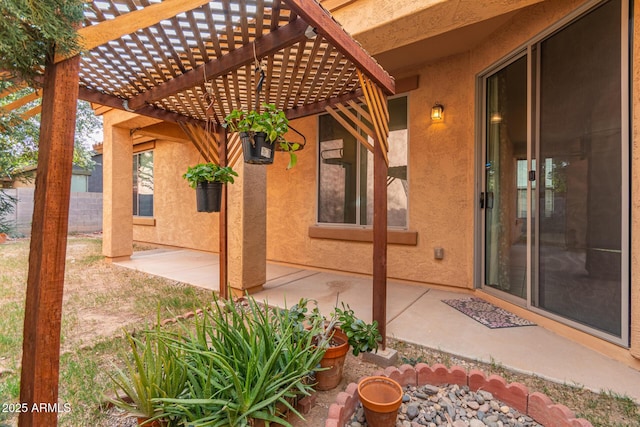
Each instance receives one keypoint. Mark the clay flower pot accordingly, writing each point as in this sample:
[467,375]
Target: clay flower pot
[380,397]
[154,423]
[334,360]
[3,238]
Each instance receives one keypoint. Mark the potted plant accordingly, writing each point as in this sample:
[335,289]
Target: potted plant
[261,133]
[380,397]
[154,371]
[338,333]
[207,179]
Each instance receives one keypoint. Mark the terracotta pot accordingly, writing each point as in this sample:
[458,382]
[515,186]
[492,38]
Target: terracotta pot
[155,423]
[334,360]
[3,238]
[380,397]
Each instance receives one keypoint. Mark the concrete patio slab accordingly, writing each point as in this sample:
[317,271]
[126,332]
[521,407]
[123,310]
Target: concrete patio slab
[527,349]
[415,314]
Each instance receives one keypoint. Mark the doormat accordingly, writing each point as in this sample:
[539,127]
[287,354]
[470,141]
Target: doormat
[486,313]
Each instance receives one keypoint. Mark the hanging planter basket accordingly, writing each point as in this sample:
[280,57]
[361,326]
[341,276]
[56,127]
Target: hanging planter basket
[208,196]
[256,148]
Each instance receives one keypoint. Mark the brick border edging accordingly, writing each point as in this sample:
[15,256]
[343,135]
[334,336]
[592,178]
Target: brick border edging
[535,405]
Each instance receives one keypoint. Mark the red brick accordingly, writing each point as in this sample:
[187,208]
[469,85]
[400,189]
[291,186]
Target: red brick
[332,423]
[335,411]
[477,380]
[458,375]
[306,403]
[538,408]
[580,422]
[512,394]
[352,389]
[405,375]
[167,321]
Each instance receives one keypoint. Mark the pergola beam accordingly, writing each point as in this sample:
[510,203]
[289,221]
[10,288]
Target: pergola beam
[149,110]
[325,25]
[320,106]
[245,55]
[21,101]
[104,32]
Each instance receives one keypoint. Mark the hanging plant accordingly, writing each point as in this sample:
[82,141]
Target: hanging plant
[261,131]
[207,179]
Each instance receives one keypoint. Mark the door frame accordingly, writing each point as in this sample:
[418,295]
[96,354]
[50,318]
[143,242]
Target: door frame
[527,49]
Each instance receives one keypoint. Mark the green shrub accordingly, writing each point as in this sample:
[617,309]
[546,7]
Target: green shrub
[243,363]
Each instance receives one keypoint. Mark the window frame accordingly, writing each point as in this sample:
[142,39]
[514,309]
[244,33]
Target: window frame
[359,205]
[136,214]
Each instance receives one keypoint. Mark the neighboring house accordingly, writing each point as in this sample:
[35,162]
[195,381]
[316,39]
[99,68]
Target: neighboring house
[525,191]
[94,180]
[82,180]
[85,208]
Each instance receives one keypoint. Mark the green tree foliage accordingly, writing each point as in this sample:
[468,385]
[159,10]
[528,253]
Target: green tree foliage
[19,138]
[29,31]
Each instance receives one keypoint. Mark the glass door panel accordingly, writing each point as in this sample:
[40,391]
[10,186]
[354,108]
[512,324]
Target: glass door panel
[506,175]
[580,161]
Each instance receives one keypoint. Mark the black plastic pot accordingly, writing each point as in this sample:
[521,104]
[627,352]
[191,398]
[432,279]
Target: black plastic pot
[208,196]
[256,149]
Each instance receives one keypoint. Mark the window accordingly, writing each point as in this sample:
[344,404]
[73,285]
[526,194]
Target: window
[143,184]
[345,193]
[79,183]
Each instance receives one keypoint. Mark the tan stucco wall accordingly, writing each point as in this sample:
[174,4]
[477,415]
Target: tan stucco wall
[441,174]
[441,171]
[176,221]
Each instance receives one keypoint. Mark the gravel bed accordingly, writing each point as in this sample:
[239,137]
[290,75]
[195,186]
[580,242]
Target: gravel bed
[452,406]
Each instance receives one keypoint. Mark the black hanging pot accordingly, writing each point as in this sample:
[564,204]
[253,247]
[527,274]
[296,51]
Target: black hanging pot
[256,148]
[208,196]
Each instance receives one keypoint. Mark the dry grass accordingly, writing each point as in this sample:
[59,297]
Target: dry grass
[101,299]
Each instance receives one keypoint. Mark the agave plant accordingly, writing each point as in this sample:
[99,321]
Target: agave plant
[152,371]
[243,364]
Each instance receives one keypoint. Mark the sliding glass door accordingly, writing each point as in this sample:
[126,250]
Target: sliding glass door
[555,235]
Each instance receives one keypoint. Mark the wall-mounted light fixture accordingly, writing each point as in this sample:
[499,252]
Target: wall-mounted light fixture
[437,112]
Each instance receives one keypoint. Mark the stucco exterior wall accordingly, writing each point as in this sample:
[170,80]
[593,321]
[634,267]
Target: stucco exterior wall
[440,191]
[441,171]
[176,221]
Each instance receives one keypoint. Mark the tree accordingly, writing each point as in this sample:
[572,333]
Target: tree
[30,32]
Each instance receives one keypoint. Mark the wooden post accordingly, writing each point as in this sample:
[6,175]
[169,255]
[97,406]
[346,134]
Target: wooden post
[380,170]
[45,282]
[222,228]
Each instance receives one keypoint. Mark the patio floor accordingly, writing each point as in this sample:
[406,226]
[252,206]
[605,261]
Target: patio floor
[414,314]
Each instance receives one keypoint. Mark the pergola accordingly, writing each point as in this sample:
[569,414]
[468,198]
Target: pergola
[191,62]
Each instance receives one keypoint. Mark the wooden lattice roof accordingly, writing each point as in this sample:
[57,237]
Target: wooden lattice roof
[201,62]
